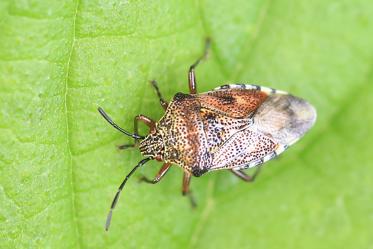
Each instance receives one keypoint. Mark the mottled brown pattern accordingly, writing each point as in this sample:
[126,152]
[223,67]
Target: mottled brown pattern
[236,103]
[195,127]
[184,142]
[227,128]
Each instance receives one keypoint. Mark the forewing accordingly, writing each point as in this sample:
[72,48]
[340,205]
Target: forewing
[278,121]
[218,128]
[246,148]
[233,102]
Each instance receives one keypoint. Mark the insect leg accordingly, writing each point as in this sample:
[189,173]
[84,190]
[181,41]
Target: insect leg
[191,74]
[164,103]
[186,191]
[148,121]
[159,176]
[241,174]
[125,146]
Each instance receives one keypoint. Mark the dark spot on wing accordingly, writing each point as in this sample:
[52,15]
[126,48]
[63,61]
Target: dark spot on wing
[181,96]
[227,99]
[210,116]
[196,171]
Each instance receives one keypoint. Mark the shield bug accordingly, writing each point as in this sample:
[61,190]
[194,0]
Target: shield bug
[233,127]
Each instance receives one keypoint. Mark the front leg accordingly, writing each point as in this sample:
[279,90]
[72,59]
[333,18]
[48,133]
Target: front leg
[159,176]
[147,121]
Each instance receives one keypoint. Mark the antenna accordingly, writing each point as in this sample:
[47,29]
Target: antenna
[110,121]
[116,197]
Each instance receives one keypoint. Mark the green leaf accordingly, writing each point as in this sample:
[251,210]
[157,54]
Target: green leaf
[59,168]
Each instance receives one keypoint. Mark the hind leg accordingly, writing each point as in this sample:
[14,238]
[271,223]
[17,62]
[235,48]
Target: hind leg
[242,175]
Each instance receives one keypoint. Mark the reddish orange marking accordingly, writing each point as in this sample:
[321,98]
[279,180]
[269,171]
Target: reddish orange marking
[237,103]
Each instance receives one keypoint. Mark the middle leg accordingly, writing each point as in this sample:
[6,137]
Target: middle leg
[186,191]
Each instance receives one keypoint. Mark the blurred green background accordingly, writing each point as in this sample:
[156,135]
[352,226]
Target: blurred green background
[59,168]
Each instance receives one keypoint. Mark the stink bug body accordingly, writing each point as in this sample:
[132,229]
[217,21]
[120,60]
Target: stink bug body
[232,127]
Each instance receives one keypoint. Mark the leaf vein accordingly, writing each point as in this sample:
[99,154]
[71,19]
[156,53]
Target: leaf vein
[68,142]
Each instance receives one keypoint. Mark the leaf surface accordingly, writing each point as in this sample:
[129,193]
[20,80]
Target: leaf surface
[59,168]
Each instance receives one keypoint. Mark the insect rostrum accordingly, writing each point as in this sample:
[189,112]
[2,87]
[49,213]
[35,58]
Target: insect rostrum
[233,127]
